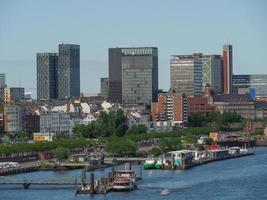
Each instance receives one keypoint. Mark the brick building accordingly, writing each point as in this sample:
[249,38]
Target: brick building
[200,105]
[170,107]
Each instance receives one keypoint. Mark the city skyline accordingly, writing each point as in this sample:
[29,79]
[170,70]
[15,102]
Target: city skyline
[164,28]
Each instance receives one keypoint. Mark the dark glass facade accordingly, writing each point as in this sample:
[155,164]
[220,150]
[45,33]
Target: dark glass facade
[68,71]
[47,75]
[133,75]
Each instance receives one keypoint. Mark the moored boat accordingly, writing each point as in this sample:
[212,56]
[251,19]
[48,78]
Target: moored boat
[159,163]
[150,164]
[124,180]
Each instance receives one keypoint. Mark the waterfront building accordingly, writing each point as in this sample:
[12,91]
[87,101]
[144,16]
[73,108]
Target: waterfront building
[13,118]
[133,75]
[186,75]
[104,84]
[227,68]
[239,103]
[255,85]
[2,79]
[68,71]
[47,64]
[55,122]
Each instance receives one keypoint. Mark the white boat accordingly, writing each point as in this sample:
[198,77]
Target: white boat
[124,180]
[165,192]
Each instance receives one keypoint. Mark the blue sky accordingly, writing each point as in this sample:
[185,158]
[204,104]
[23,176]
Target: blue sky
[174,26]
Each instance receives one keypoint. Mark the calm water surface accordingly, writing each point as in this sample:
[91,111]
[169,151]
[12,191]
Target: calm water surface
[242,178]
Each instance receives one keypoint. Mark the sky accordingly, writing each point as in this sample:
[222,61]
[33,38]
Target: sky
[174,26]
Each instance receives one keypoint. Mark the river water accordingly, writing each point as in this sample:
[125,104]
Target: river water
[241,178]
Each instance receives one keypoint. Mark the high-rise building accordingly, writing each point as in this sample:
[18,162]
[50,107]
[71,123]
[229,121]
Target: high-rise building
[186,75]
[257,82]
[69,71]
[227,68]
[17,94]
[104,82]
[133,75]
[115,74]
[2,79]
[47,64]
[212,72]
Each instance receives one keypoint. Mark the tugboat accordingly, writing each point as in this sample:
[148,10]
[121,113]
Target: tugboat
[150,163]
[124,180]
[160,163]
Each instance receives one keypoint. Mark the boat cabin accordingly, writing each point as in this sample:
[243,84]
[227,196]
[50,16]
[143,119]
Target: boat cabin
[218,153]
[234,150]
[181,158]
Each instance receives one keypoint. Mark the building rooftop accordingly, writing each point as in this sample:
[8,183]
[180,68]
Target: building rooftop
[261,105]
[232,98]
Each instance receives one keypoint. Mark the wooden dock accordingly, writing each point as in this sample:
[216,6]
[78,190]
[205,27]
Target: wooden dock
[22,169]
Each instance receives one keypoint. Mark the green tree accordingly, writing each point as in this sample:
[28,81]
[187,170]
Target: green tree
[170,144]
[196,120]
[120,146]
[132,130]
[141,128]
[208,141]
[121,130]
[61,153]
[155,151]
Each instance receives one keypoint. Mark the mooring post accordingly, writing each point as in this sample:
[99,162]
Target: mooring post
[113,173]
[75,182]
[25,184]
[92,183]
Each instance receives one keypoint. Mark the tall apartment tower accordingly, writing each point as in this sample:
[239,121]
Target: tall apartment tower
[68,71]
[133,75]
[227,70]
[186,75]
[47,64]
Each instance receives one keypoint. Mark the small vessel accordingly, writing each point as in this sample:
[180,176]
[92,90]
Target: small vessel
[124,180]
[159,163]
[85,189]
[150,163]
[165,192]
